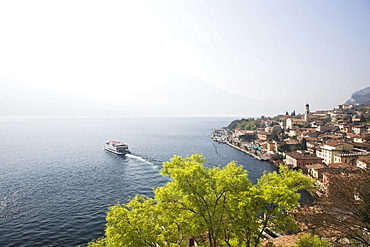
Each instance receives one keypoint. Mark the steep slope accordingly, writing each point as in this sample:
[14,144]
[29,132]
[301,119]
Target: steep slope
[361,97]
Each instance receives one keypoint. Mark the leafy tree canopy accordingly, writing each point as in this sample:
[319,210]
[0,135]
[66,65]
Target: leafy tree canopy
[212,206]
[309,240]
[363,119]
[245,124]
[247,137]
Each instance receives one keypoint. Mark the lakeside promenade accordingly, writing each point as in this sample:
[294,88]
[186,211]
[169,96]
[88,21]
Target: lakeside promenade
[256,156]
[221,136]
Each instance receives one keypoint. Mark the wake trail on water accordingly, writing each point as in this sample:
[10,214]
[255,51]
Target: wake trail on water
[216,149]
[145,161]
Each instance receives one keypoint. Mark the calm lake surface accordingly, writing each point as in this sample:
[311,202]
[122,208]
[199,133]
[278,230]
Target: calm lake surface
[56,182]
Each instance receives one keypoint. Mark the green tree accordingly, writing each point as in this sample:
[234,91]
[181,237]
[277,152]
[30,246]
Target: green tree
[214,206]
[285,148]
[304,144]
[363,119]
[276,134]
[248,124]
[247,137]
[308,240]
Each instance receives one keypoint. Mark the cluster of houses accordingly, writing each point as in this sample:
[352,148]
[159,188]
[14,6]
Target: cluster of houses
[331,142]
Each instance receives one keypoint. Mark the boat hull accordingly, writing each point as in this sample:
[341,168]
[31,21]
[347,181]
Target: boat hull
[115,152]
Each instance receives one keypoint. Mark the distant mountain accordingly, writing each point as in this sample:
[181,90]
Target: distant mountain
[19,99]
[361,97]
[176,96]
[192,96]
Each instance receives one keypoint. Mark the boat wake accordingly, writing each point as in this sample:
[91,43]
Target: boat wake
[145,161]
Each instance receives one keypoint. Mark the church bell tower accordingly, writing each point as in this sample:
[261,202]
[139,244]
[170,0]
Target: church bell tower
[306,114]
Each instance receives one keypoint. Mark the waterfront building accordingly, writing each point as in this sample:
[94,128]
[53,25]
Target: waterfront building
[240,132]
[272,146]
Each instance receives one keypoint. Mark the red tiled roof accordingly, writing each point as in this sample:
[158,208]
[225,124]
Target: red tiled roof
[339,165]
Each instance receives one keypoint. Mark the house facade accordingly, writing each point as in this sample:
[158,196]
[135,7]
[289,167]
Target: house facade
[329,150]
[301,160]
[315,170]
[345,106]
[290,122]
[363,162]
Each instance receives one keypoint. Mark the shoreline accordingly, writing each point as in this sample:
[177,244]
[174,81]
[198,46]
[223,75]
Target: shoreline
[220,136]
[245,151]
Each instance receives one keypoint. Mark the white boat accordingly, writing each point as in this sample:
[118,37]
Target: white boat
[116,147]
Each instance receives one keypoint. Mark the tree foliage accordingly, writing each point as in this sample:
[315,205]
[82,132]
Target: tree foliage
[247,137]
[212,206]
[308,240]
[287,148]
[245,124]
[362,118]
[304,144]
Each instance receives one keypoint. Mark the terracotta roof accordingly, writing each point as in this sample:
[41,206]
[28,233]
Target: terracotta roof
[316,166]
[333,143]
[365,159]
[291,141]
[297,120]
[339,165]
[311,139]
[301,156]
[352,135]
[285,240]
[361,145]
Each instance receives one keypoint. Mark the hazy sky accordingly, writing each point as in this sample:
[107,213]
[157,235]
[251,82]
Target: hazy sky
[291,52]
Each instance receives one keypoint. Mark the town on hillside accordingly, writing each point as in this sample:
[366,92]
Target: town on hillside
[322,144]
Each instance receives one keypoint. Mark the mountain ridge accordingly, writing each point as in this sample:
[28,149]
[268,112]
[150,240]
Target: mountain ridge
[188,96]
[360,97]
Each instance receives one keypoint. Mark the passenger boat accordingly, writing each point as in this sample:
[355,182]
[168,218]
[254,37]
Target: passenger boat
[116,147]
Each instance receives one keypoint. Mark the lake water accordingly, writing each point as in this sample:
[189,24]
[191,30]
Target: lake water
[56,182]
